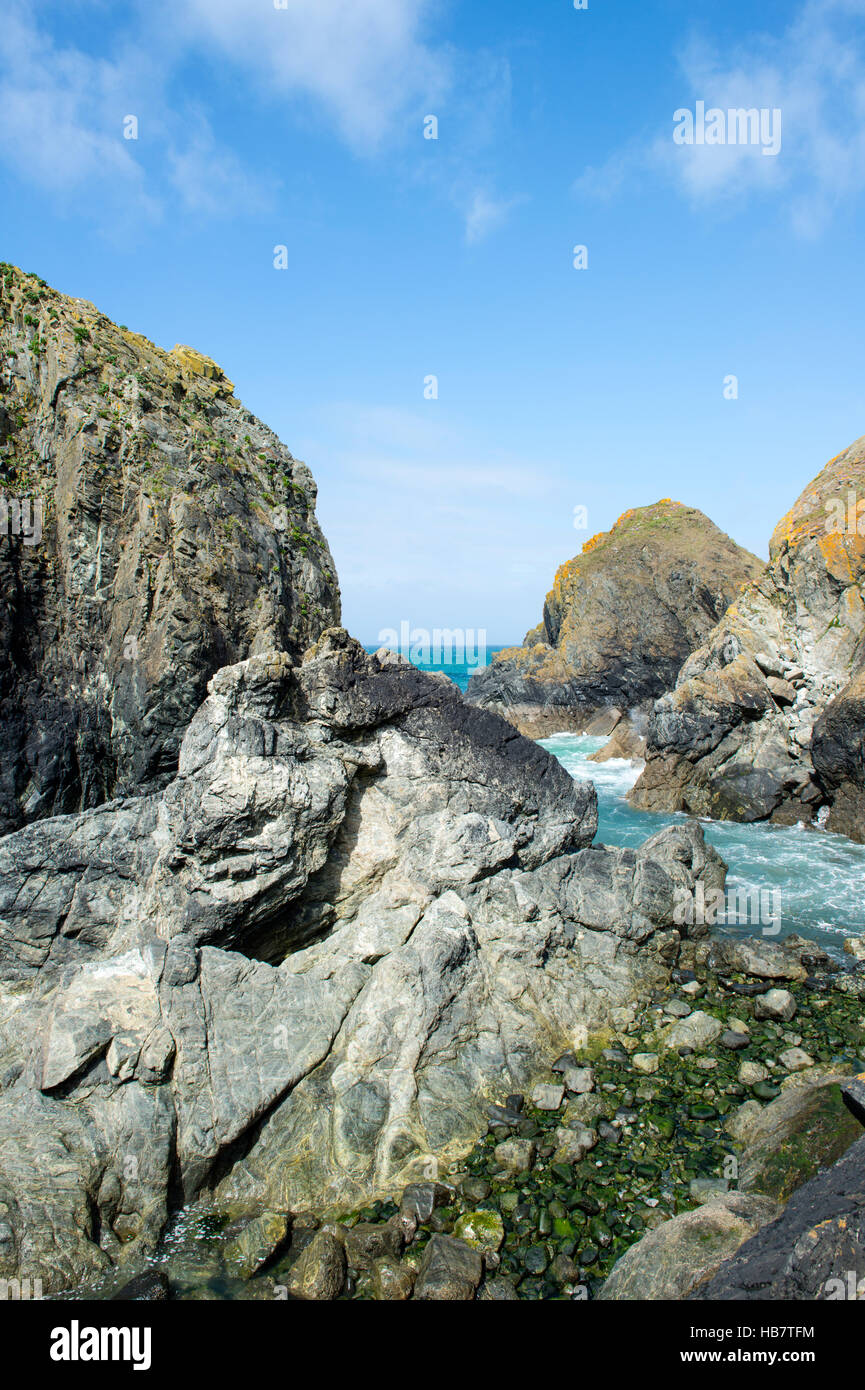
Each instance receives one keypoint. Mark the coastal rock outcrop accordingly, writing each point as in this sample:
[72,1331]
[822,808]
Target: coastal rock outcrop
[618,623]
[152,531]
[765,721]
[812,1251]
[672,1261]
[298,973]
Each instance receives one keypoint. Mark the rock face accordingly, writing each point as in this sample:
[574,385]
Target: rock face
[672,1261]
[805,1129]
[619,621]
[152,531]
[812,1251]
[290,976]
[765,721]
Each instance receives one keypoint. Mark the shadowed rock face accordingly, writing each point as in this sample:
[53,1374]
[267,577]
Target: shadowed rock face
[178,535]
[765,720]
[296,974]
[808,1251]
[619,621]
[672,1261]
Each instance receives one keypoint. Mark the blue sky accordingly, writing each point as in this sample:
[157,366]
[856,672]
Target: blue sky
[407,257]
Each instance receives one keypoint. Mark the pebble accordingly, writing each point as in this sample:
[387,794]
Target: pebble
[580,1081]
[752,1072]
[794,1059]
[775,1004]
[548,1096]
[677,1008]
[647,1062]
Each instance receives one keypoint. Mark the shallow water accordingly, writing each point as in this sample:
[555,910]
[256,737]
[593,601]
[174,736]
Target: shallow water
[817,880]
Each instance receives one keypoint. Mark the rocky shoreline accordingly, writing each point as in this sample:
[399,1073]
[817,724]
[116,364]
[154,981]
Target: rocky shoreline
[637,1169]
[315,981]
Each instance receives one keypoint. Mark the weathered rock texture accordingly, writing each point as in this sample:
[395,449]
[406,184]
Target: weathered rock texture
[619,621]
[297,974]
[177,536]
[672,1261]
[813,1250]
[765,720]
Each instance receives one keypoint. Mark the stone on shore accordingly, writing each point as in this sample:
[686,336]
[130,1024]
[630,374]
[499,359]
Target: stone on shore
[672,1261]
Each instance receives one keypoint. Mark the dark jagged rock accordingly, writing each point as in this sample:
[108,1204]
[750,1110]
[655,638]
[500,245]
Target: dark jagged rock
[853,1093]
[766,719]
[150,1287]
[618,623]
[450,1270]
[176,535]
[838,754]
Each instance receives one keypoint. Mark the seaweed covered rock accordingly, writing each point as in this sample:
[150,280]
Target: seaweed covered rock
[814,1248]
[672,1261]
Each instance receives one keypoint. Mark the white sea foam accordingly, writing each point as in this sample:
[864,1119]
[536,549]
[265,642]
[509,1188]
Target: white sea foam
[819,878]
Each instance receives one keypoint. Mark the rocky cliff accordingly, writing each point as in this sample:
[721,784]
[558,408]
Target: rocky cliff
[152,531]
[619,621]
[765,720]
[297,974]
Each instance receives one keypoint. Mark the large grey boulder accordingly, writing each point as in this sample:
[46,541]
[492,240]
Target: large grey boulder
[673,1260]
[299,974]
[812,1251]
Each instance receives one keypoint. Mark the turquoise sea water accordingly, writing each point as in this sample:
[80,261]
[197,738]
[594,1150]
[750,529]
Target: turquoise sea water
[816,880]
[795,878]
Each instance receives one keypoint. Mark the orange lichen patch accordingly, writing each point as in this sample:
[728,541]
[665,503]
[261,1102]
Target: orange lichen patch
[596,540]
[564,574]
[829,504]
[844,555]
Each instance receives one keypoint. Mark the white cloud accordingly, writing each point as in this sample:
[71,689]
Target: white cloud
[56,109]
[210,179]
[486,212]
[366,67]
[364,60]
[814,73]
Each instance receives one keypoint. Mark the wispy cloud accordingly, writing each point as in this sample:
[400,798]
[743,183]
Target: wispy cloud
[366,69]
[443,496]
[365,61]
[54,105]
[486,212]
[814,74]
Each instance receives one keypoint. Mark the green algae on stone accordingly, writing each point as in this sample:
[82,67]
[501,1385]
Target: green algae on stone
[484,1230]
